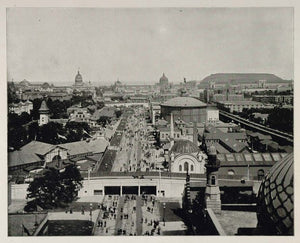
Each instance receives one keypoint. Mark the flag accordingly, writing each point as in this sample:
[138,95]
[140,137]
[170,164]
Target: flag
[25,230]
[61,136]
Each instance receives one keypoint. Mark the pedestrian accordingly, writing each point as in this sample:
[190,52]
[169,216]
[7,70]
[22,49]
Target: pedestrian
[104,224]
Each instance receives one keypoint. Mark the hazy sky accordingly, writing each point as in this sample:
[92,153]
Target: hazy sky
[138,45]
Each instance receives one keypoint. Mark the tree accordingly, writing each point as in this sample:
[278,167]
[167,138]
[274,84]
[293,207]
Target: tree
[55,189]
[118,113]
[104,120]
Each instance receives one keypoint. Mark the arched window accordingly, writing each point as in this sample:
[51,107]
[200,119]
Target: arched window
[260,174]
[231,172]
[180,167]
[186,166]
[213,180]
[192,167]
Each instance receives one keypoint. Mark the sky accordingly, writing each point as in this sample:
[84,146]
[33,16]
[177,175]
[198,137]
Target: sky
[137,45]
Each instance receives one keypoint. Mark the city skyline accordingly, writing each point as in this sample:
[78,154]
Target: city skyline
[138,45]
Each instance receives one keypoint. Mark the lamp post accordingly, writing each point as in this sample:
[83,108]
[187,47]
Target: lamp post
[164,209]
[91,211]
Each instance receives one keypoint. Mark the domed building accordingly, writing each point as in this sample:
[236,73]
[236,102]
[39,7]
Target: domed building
[163,83]
[186,156]
[163,80]
[276,199]
[187,109]
[78,80]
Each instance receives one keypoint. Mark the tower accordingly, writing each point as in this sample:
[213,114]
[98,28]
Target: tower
[44,114]
[212,190]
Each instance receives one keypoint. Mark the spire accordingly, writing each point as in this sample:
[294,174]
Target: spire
[172,127]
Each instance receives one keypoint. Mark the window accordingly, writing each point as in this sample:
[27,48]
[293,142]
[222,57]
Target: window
[192,167]
[231,172]
[180,167]
[213,180]
[186,166]
[98,192]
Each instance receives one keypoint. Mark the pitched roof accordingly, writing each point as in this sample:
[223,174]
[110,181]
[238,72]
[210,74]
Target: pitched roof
[37,147]
[251,159]
[89,146]
[20,157]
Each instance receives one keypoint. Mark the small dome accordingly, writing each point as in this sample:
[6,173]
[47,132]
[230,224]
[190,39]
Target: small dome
[184,102]
[24,82]
[78,78]
[184,146]
[276,199]
[163,79]
[45,85]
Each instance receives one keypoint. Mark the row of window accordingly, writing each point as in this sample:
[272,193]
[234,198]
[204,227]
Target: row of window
[260,173]
[186,166]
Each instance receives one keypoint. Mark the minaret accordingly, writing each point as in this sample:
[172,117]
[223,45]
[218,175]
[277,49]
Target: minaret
[44,114]
[212,191]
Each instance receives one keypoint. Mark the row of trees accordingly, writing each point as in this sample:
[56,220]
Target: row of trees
[53,133]
[279,118]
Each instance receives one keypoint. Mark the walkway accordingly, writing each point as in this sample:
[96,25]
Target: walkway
[139,216]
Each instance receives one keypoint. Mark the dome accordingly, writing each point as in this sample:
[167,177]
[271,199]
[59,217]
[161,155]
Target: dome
[184,102]
[163,79]
[78,79]
[45,85]
[25,83]
[276,199]
[184,146]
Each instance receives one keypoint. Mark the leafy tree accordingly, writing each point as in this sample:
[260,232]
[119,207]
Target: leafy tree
[104,120]
[17,137]
[54,188]
[281,119]
[118,113]
[48,133]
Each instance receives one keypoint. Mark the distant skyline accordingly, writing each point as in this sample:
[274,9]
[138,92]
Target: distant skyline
[138,45]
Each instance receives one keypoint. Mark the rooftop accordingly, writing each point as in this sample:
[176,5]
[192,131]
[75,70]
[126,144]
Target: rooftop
[184,102]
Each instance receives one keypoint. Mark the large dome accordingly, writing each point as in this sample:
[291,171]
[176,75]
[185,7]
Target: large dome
[184,146]
[184,102]
[78,79]
[163,79]
[276,199]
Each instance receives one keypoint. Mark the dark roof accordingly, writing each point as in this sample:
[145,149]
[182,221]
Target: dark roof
[184,146]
